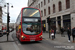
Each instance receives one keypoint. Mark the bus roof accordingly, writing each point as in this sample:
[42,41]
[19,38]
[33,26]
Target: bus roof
[30,7]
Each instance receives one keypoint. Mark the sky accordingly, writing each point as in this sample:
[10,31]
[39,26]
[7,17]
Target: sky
[14,12]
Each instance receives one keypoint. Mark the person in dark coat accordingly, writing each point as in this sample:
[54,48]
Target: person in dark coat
[62,31]
[68,33]
[54,33]
[73,34]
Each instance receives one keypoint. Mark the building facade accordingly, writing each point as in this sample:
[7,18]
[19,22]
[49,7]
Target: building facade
[0,15]
[2,2]
[61,13]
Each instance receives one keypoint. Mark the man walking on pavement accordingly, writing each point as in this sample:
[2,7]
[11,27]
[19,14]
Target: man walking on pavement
[73,34]
[62,32]
[68,33]
[54,33]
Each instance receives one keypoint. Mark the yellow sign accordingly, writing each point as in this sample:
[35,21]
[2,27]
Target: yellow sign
[50,30]
[44,25]
[19,27]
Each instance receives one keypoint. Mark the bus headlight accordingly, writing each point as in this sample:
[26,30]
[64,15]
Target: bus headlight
[40,36]
[23,37]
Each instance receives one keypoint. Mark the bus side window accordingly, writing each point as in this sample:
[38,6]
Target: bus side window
[20,30]
[20,27]
[16,28]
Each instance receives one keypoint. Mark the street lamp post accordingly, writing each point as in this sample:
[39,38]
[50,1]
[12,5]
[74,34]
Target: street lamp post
[8,19]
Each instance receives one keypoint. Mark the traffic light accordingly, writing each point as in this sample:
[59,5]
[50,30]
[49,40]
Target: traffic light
[48,20]
[8,18]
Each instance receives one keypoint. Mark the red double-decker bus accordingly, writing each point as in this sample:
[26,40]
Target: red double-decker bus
[29,25]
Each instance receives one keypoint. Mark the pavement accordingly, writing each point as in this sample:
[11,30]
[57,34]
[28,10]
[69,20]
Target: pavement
[11,45]
[59,39]
[8,45]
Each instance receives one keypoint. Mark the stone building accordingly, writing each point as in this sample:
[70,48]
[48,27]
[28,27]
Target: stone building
[2,2]
[0,15]
[61,12]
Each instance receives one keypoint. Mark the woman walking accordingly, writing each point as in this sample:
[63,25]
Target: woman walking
[52,34]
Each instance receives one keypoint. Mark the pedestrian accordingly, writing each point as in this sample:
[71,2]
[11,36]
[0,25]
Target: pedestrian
[1,34]
[62,31]
[52,34]
[73,34]
[69,34]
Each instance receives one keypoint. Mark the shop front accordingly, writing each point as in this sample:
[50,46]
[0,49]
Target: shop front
[53,23]
[66,21]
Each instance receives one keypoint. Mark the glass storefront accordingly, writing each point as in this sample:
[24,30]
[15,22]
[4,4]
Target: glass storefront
[66,21]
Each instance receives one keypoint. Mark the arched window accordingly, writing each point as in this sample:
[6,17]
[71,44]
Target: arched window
[48,1]
[67,4]
[60,6]
[41,13]
[41,4]
[48,10]
[44,2]
[53,8]
[44,12]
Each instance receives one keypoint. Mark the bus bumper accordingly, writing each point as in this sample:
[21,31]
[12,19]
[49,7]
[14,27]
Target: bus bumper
[29,39]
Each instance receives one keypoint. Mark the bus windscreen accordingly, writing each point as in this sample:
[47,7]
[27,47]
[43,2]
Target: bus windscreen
[31,28]
[30,12]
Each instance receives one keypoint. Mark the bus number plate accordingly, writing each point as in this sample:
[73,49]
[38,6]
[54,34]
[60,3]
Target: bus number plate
[32,40]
